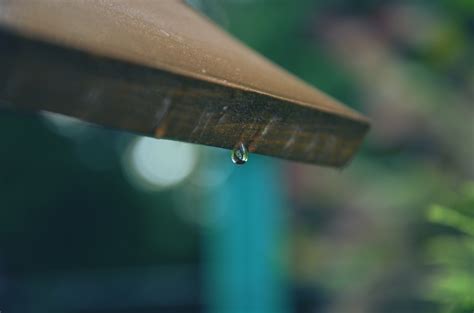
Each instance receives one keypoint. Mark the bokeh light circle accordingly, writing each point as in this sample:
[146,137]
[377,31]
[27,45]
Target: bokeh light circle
[157,164]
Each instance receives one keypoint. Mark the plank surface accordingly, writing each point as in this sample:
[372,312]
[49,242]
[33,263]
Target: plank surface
[161,69]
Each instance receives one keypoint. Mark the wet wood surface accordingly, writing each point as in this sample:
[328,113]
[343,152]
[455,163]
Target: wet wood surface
[160,69]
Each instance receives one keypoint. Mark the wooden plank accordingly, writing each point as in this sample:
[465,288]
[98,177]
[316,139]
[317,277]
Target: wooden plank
[160,69]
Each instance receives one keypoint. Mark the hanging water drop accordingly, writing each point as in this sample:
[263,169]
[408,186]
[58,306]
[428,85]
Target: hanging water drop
[240,154]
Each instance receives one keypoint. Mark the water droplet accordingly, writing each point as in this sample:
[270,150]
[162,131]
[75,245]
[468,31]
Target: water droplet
[240,154]
[164,32]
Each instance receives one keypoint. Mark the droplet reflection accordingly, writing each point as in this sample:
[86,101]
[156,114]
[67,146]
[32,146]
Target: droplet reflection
[240,154]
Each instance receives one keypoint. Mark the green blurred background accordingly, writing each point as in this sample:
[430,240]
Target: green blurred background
[95,220]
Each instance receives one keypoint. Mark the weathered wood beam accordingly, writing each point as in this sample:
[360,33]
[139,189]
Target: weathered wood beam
[160,69]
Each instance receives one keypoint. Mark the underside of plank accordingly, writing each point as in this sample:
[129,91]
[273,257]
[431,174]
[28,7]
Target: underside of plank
[160,69]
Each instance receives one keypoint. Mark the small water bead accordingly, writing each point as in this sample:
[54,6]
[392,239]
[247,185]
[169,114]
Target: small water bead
[164,32]
[240,154]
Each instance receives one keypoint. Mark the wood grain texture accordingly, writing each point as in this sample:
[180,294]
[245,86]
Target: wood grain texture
[160,69]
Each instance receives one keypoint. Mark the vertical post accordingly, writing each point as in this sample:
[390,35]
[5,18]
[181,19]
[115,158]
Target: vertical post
[244,268]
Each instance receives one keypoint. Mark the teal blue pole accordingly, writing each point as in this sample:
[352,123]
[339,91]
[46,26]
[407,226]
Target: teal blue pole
[244,268]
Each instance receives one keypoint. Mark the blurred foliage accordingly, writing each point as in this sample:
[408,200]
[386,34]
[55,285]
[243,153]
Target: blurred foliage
[452,253]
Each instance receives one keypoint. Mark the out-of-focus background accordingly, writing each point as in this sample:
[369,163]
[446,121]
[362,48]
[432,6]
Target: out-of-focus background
[96,220]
